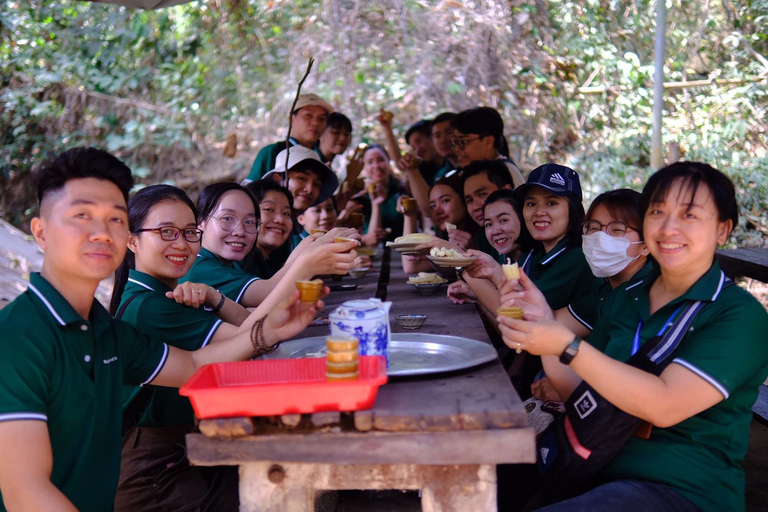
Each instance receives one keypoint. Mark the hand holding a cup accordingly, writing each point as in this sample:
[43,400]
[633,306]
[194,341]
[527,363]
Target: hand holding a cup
[407,206]
[291,316]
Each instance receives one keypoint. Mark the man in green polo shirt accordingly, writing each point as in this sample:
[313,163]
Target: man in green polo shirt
[308,124]
[64,360]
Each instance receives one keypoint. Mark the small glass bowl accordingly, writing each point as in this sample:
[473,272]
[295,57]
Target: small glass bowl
[427,288]
[411,321]
[358,272]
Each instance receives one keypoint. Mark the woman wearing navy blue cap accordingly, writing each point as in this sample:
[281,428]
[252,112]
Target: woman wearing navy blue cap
[553,215]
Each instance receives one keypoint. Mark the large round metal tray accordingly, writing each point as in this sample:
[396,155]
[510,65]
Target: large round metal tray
[409,353]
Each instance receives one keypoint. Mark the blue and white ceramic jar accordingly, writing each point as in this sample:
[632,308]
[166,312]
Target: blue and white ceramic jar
[368,320]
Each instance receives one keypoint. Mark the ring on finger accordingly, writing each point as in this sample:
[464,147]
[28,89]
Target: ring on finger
[196,291]
[519,348]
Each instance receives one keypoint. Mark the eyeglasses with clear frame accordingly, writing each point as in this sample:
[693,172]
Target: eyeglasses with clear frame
[171,233]
[615,228]
[229,223]
[460,144]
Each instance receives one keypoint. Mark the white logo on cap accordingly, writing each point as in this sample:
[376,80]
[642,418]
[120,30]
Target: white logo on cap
[556,178]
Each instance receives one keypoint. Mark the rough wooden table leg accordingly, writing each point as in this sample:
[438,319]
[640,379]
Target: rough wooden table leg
[298,487]
[269,487]
[460,488]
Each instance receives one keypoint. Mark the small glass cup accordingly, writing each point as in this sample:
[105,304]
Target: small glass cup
[309,291]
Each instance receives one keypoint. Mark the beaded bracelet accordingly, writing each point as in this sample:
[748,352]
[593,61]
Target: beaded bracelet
[260,339]
[254,337]
[219,305]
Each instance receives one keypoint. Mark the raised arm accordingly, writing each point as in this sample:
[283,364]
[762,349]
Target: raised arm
[25,468]
[288,318]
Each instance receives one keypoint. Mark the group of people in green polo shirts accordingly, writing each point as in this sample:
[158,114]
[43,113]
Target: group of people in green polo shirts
[89,415]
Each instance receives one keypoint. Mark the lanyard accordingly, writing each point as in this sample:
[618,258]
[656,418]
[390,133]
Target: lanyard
[636,339]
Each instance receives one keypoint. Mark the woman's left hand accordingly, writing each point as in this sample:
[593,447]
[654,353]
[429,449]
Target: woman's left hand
[290,317]
[194,294]
[538,336]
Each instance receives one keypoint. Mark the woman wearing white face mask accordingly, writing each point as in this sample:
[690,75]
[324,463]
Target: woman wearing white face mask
[614,249]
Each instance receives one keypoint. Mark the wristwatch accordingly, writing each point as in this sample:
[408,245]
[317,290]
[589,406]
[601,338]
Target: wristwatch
[570,351]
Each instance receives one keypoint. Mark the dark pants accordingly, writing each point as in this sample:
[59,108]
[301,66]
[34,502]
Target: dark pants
[626,496]
[155,476]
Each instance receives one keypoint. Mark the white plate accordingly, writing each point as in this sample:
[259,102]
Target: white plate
[409,353]
[451,262]
[407,249]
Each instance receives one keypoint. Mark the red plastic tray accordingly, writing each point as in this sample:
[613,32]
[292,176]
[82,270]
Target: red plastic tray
[280,386]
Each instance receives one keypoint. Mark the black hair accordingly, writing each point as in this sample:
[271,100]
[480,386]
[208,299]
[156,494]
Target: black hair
[496,170]
[376,146]
[623,204]
[260,188]
[483,121]
[81,162]
[445,116]
[338,121]
[692,175]
[454,181]
[575,222]
[211,195]
[364,201]
[505,195]
[423,126]
[139,207]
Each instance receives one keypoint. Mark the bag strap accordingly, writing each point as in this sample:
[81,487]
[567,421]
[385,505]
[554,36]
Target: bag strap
[138,405]
[124,306]
[674,335]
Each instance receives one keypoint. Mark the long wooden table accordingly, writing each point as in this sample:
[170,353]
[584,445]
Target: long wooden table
[443,434]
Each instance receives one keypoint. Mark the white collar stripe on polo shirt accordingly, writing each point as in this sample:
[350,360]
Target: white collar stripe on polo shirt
[554,256]
[719,286]
[15,416]
[134,281]
[636,284]
[47,304]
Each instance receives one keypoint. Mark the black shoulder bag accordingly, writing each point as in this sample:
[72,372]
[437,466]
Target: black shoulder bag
[593,431]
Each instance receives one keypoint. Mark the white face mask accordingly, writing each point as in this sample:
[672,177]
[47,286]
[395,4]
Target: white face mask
[606,254]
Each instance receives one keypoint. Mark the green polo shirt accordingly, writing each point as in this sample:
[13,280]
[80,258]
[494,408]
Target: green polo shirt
[178,325]
[700,457]
[265,160]
[562,274]
[223,275]
[585,308]
[390,217]
[69,372]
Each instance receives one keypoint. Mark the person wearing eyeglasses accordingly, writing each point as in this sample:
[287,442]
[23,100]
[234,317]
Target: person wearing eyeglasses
[164,240]
[230,221]
[479,135]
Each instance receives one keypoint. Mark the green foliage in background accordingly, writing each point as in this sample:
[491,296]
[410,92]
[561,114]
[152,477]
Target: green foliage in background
[163,89]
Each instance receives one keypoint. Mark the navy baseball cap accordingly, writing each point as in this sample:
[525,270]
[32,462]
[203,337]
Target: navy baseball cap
[558,179]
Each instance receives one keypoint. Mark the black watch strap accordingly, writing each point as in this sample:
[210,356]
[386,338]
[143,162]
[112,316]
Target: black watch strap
[570,351]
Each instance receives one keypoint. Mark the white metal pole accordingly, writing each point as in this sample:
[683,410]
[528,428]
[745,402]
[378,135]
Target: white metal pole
[657,158]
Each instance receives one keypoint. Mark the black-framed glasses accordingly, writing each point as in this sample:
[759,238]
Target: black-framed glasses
[460,144]
[615,228]
[171,233]
[230,222]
